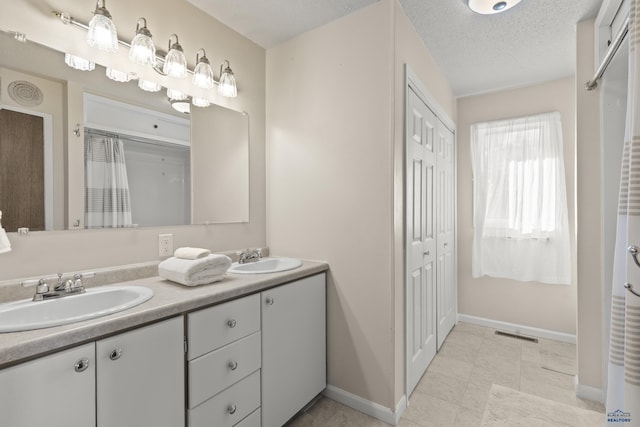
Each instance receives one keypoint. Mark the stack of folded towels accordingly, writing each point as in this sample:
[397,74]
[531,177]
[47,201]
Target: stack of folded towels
[194,266]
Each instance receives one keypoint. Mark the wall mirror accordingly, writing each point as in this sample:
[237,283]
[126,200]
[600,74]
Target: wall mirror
[196,173]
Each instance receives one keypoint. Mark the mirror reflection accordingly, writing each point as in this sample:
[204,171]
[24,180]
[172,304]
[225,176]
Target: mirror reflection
[56,124]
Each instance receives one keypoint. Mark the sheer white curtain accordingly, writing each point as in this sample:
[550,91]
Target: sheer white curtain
[623,388]
[521,229]
[107,202]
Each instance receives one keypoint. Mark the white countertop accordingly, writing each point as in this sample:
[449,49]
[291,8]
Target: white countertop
[169,299]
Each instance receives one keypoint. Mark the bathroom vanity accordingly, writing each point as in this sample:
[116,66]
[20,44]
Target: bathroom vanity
[247,351]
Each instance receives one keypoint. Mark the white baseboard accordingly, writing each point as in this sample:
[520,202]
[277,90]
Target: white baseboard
[588,392]
[518,329]
[365,406]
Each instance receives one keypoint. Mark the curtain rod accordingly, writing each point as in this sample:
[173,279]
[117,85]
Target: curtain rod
[131,138]
[593,83]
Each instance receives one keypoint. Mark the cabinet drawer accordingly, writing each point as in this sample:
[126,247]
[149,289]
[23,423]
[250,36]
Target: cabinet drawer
[215,371]
[229,407]
[252,420]
[217,326]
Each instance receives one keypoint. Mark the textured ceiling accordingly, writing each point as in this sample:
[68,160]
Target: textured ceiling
[532,42]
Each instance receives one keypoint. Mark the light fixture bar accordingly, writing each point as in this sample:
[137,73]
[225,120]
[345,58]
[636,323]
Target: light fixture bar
[66,19]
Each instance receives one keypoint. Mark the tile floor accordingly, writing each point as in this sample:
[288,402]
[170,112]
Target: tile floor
[455,389]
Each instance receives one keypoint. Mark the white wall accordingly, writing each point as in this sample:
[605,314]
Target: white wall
[335,114]
[68,251]
[589,219]
[538,305]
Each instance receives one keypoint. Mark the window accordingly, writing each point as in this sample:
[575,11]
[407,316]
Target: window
[520,209]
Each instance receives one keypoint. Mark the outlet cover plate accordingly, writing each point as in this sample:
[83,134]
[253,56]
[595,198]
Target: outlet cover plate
[165,245]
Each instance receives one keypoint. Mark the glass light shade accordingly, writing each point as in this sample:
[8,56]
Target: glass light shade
[176,95]
[175,64]
[489,7]
[78,63]
[203,75]
[227,86]
[200,102]
[102,31]
[142,50]
[149,86]
[118,76]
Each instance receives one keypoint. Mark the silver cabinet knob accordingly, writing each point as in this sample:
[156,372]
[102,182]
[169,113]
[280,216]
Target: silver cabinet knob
[269,301]
[81,365]
[115,354]
[427,253]
[233,365]
[231,409]
[231,323]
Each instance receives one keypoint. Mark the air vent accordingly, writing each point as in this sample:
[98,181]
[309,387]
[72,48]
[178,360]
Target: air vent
[517,336]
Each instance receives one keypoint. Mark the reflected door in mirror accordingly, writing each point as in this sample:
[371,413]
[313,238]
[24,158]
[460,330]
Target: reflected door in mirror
[21,171]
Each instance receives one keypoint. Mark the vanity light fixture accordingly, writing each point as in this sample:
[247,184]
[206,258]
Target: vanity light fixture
[200,102]
[202,74]
[119,76]
[176,95]
[78,62]
[102,31]
[227,86]
[149,86]
[142,50]
[175,63]
[489,7]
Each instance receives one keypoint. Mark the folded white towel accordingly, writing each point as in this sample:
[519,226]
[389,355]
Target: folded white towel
[195,272]
[5,244]
[191,253]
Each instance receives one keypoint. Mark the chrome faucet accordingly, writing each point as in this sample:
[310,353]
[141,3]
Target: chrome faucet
[63,288]
[249,255]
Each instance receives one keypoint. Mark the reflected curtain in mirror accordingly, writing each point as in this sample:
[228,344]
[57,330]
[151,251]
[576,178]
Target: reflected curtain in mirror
[107,202]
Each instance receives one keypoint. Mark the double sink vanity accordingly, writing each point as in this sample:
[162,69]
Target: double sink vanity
[247,351]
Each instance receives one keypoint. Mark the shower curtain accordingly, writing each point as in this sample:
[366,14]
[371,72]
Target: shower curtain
[107,202]
[623,391]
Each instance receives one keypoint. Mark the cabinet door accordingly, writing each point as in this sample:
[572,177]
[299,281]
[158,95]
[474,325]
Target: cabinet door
[140,377]
[293,348]
[53,391]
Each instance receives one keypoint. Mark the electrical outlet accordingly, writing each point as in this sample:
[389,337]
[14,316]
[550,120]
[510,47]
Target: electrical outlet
[165,245]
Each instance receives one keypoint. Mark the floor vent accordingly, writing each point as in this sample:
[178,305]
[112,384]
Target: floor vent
[516,336]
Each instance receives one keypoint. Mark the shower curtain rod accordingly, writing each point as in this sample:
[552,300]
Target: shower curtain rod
[613,48]
[140,139]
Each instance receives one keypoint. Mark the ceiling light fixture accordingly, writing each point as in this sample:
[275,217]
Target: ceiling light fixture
[175,64]
[489,7]
[142,50]
[176,95]
[149,86]
[202,74]
[200,102]
[119,76]
[102,31]
[227,86]
[182,106]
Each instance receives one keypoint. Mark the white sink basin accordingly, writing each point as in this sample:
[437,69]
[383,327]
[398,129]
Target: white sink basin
[25,315]
[265,265]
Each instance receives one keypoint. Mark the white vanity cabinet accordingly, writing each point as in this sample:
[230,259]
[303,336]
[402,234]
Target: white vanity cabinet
[140,377]
[134,378]
[224,360]
[53,391]
[293,347]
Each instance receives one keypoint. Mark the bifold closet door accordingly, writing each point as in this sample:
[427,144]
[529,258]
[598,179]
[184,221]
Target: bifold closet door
[420,238]
[445,224]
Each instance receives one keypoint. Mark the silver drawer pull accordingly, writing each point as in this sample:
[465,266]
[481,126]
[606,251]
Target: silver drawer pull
[233,365]
[269,301]
[231,409]
[81,365]
[231,323]
[115,354]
